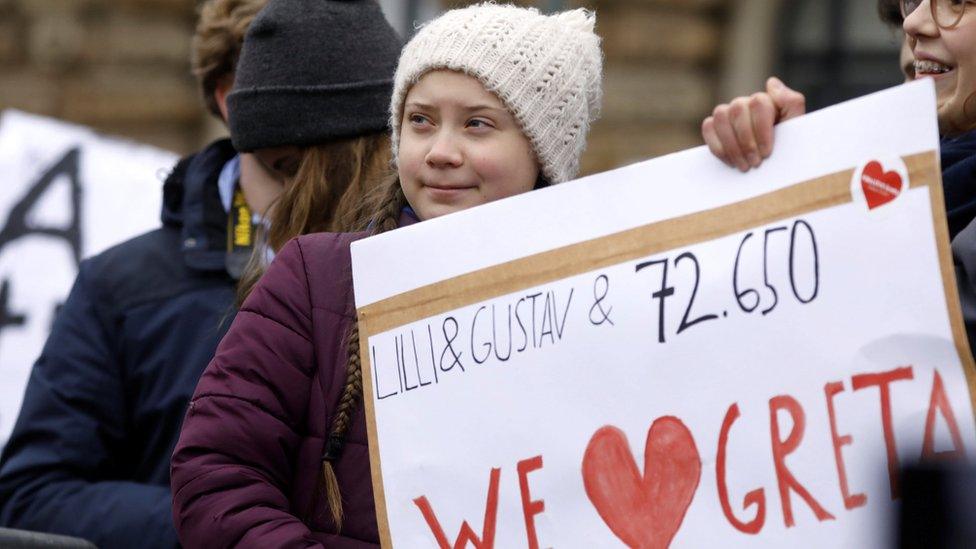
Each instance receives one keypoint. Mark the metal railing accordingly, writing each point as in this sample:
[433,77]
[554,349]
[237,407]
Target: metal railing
[22,539]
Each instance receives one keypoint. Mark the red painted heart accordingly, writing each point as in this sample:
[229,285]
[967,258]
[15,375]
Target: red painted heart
[880,187]
[644,510]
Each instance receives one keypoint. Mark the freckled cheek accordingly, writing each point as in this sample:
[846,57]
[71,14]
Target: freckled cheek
[960,44]
[961,97]
[504,171]
[967,73]
[492,173]
[409,161]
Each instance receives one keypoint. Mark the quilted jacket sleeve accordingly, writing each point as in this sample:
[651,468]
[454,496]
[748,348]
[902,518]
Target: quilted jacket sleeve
[234,461]
[57,470]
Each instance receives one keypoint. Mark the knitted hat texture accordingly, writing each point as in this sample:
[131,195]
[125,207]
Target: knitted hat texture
[546,69]
[311,71]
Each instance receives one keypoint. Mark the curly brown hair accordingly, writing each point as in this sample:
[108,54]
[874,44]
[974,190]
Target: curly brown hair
[217,43]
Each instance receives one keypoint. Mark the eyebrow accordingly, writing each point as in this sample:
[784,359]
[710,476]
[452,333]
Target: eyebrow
[472,108]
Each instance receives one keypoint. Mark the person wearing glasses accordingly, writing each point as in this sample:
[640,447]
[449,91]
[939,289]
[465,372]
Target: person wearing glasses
[942,38]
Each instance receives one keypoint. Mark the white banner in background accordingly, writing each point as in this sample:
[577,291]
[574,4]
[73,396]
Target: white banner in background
[66,193]
[673,353]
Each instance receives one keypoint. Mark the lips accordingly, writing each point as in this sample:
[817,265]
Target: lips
[928,67]
[447,187]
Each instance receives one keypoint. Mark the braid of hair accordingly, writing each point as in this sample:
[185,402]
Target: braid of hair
[385,219]
[352,391]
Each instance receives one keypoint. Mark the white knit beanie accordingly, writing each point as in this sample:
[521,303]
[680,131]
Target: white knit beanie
[547,69]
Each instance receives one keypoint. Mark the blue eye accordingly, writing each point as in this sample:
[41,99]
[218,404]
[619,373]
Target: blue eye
[479,123]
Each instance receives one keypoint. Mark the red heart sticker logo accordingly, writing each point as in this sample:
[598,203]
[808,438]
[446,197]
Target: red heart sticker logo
[644,510]
[880,187]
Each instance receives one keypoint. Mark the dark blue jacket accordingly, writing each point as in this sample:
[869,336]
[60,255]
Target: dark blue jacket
[959,180]
[959,184]
[89,455]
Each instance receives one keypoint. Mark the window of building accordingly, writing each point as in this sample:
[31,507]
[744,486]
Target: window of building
[834,50]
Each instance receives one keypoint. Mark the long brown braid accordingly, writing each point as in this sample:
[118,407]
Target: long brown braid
[381,213]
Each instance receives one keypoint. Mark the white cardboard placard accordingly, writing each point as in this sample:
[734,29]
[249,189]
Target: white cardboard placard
[674,353]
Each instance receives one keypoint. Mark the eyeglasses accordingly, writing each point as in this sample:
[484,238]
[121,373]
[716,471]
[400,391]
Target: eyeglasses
[946,13]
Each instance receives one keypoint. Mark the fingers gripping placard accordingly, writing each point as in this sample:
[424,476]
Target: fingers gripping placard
[752,374]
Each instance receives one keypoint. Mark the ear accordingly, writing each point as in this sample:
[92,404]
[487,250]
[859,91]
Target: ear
[220,94]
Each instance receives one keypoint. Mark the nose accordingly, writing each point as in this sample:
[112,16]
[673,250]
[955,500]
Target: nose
[920,22]
[444,152]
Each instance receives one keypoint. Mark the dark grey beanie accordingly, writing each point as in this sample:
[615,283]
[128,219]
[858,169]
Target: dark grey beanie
[311,71]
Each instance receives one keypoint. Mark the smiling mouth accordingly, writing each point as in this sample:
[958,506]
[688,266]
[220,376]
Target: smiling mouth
[931,68]
[448,187]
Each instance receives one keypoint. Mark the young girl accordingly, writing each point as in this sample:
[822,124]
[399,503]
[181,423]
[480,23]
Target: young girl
[310,102]
[942,37]
[489,101]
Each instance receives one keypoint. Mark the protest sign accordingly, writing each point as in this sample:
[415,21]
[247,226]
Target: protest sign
[673,353]
[67,193]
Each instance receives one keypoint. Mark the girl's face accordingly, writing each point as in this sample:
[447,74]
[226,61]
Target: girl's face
[460,147]
[948,56]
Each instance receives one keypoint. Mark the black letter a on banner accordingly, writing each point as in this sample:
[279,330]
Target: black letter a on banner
[16,225]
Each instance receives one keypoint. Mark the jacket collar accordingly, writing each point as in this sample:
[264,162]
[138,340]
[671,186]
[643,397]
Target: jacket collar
[959,180]
[407,217]
[191,202]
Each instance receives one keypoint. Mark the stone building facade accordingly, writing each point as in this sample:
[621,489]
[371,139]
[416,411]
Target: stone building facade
[662,72]
[121,67]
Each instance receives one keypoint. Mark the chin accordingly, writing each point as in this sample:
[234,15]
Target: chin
[436,210]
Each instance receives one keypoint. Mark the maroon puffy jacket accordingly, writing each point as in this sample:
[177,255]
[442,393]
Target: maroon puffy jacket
[246,471]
